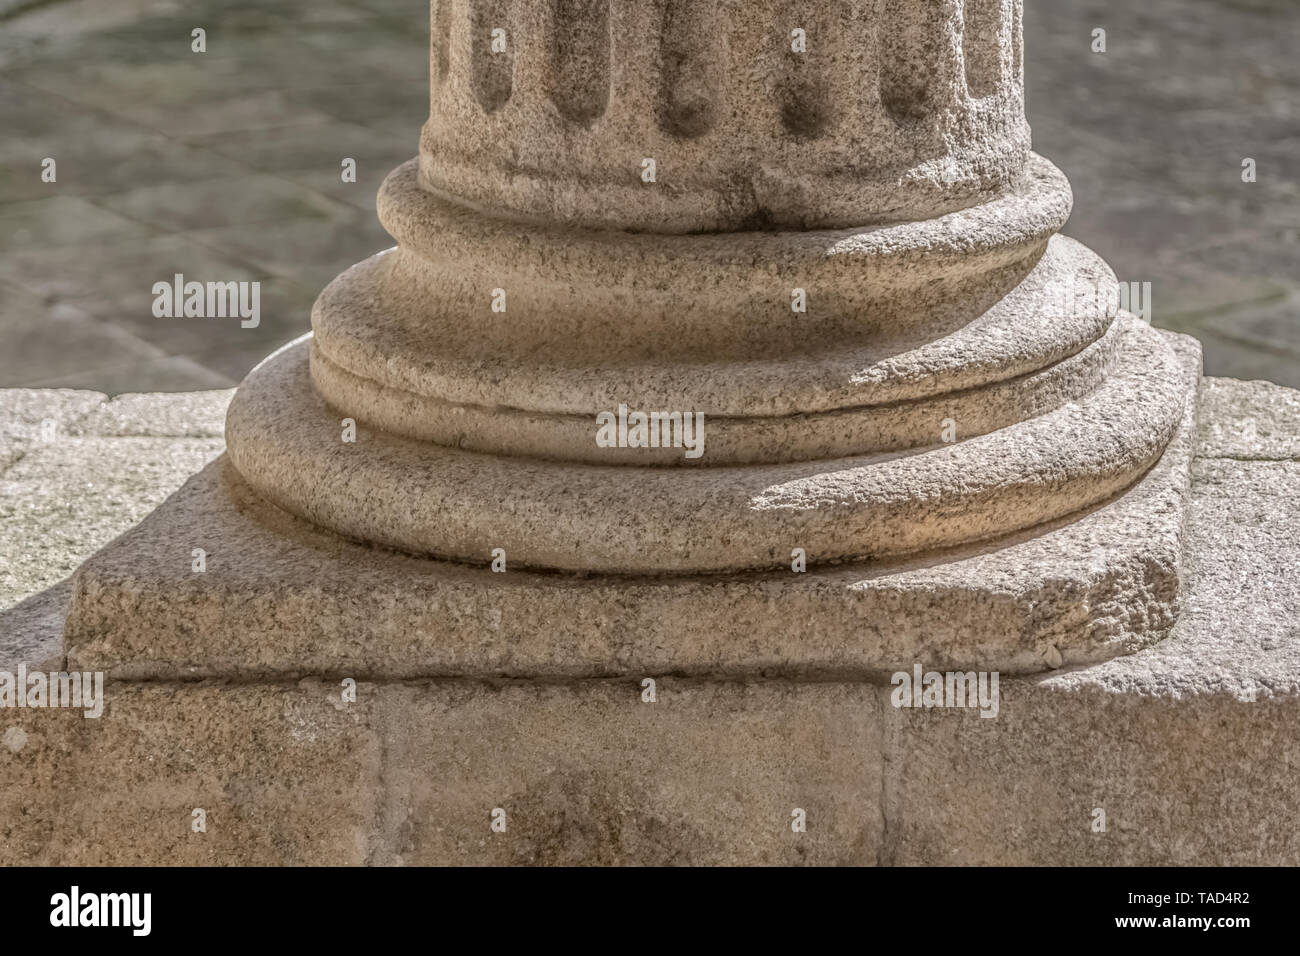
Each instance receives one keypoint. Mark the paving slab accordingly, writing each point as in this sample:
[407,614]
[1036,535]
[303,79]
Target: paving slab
[66,496]
[57,345]
[1248,420]
[157,415]
[30,417]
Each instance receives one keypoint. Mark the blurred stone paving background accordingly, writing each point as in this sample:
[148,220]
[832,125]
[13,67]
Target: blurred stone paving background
[225,166]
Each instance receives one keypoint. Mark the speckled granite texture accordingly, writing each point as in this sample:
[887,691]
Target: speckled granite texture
[849,265]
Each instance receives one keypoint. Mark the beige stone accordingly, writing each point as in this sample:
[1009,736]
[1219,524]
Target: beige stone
[1139,602]
[452,504]
[902,112]
[1167,741]
[281,597]
[45,538]
[1190,747]
[283,773]
[952,438]
[178,414]
[960,373]
[32,417]
[593,774]
[1249,420]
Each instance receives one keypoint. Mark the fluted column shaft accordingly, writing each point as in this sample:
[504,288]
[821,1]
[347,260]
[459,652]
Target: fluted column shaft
[757,113]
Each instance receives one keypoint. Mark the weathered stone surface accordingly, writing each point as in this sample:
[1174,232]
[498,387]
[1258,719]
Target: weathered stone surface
[1067,498]
[79,507]
[30,417]
[286,774]
[64,498]
[622,312]
[920,224]
[166,415]
[987,354]
[429,499]
[1249,420]
[1191,747]
[901,113]
[590,774]
[1182,780]
[37,753]
[410,774]
[31,628]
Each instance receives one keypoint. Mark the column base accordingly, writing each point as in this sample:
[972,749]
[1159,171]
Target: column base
[281,598]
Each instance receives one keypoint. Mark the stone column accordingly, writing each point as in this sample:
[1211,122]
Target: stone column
[958,456]
[843,275]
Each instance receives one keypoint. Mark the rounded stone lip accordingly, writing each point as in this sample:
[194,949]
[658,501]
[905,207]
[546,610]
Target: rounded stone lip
[427,499]
[835,433]
[1005,228]
[772,195]
[1030,327]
